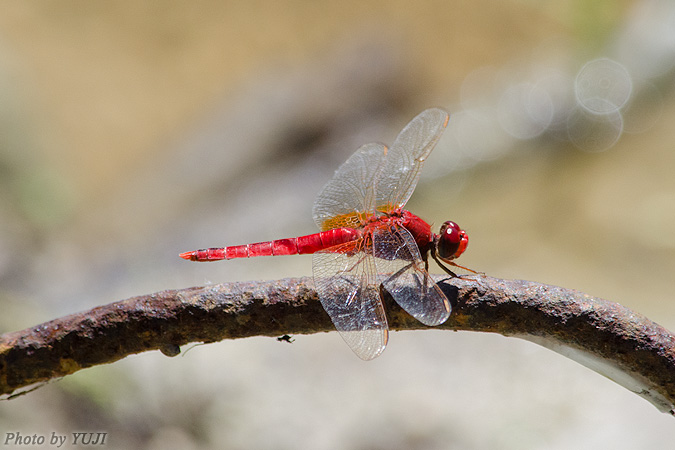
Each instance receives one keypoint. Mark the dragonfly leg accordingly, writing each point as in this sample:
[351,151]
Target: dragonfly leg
[426,270]
[440,264]
[447,270]
[423,285]
[397,273]
[358,287]
[467,269]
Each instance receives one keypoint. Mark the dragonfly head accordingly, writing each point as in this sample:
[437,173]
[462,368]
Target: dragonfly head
[451,241]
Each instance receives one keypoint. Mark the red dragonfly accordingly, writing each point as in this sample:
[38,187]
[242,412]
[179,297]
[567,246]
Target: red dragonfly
[368,240]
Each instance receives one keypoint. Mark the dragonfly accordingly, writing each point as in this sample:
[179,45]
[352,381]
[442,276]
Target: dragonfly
[368,240]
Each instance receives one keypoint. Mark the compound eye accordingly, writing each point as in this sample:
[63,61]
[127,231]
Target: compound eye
[451,242]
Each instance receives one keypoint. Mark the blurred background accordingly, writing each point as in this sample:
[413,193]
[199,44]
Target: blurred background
[133,131]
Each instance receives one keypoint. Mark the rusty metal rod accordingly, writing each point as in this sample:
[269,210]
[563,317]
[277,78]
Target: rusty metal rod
[605,336]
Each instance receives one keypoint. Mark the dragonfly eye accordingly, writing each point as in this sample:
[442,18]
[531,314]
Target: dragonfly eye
[452,241]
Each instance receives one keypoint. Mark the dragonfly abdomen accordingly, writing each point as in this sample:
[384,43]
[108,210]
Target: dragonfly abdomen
[325,239]
[301,245]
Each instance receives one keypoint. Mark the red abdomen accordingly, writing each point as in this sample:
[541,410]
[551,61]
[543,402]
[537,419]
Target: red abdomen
[311,243]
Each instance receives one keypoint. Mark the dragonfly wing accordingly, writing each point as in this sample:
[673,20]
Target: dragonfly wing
[406,157]
[348,292]
[398,257]
[351,190]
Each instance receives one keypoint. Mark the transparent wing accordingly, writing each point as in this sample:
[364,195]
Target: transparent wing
[398,257]
[351,190]
[345,281]
[406,157]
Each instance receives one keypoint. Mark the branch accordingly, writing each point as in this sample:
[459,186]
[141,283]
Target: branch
[604,336]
